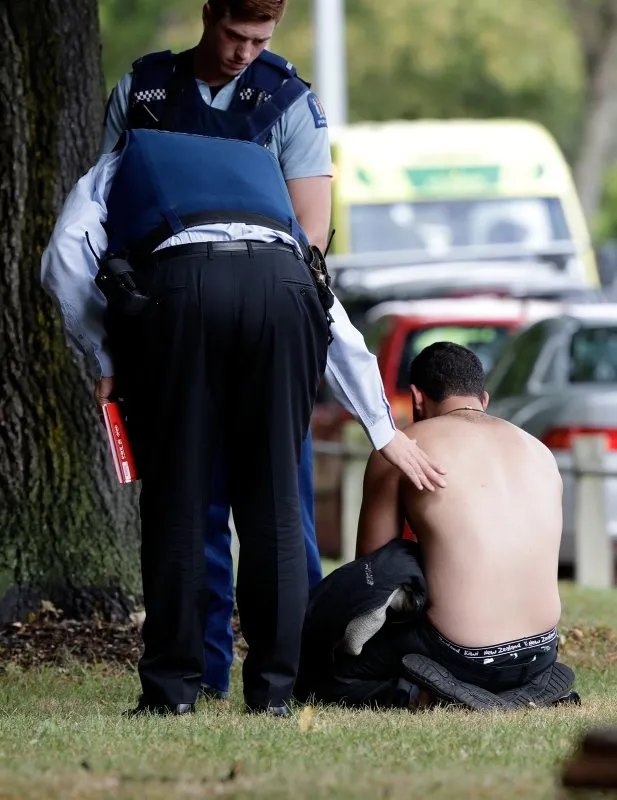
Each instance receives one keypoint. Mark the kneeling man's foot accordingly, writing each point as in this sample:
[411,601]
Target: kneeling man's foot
[144,708]
[280,712]
[570,699]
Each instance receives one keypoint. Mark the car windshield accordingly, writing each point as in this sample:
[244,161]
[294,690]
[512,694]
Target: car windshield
[484,340]
[593,355]
[437,227]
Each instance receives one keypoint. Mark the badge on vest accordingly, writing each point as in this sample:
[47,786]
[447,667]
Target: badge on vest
[317,110]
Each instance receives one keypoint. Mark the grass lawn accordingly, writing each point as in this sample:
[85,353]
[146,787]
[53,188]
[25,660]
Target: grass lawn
[62,736]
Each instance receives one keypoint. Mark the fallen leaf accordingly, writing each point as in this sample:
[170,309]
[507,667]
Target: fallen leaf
[138,618]
[306,719]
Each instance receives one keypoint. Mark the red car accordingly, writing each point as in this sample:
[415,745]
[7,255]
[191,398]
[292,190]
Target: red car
[396,332]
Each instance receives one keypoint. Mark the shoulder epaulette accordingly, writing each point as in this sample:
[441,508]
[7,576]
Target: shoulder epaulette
[279,62]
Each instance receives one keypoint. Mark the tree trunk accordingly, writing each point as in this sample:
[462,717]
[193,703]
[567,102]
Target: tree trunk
[68,532]
[598,140]
[596,27]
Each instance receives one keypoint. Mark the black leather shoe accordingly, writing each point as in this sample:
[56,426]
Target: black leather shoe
[143,709]
[274,711]
[210,693]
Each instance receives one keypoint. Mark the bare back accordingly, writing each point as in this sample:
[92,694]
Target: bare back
[491,539]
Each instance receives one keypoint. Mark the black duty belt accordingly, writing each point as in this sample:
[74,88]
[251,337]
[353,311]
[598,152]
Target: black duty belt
[210,248]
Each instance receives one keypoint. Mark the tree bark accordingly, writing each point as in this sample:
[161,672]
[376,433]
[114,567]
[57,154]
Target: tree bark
[596,25]
[68,532]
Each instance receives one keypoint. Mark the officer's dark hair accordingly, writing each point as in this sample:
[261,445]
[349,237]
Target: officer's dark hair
[445,369]
[249,10]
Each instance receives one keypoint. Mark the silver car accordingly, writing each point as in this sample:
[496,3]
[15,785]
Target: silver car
[558,378]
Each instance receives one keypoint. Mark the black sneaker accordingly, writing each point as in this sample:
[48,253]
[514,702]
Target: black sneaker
[570,699]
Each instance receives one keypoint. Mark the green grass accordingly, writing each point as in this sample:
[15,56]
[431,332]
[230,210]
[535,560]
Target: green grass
[587,606]
[62,736]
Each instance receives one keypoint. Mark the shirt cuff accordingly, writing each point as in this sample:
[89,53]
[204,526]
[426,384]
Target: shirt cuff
[105,365]
[381,433]
[302,172]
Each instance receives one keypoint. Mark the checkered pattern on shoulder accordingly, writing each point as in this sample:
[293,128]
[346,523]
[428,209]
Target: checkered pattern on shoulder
[147,95]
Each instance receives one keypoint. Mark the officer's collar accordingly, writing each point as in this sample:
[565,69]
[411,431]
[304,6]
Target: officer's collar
[221,87]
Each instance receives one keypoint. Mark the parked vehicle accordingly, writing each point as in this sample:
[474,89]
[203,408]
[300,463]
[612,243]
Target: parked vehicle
[374,279]
[433,187]
[557,379]
[361,287]
[397,332]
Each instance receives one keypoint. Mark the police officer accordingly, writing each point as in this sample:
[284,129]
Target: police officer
[229,71]
[230,86]
[212,316]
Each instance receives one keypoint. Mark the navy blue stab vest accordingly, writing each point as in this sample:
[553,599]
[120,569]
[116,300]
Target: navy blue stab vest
[165,96]
[167,182]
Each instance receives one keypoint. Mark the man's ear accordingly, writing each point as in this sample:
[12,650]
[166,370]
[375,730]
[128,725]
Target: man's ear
[484,400]
[416,397]
[206,14]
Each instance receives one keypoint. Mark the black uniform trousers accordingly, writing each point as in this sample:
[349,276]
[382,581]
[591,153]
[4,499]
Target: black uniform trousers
[232,348]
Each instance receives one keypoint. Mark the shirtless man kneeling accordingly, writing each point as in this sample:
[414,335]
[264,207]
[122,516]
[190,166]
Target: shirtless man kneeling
[488,546]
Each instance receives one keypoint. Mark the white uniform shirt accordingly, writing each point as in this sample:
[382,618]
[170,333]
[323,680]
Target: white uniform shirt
[300,142]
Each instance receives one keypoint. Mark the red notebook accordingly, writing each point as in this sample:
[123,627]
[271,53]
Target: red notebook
[119,444]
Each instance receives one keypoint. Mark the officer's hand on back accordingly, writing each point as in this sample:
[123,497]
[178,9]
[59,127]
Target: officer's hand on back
[413,462]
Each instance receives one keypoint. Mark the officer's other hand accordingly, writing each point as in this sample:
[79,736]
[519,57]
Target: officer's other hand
[103,390]
[413,462]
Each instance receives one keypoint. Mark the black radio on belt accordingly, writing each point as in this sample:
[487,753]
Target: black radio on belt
[115,280]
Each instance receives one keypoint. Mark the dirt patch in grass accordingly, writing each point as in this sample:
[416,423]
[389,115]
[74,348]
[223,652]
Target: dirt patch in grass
[47,639]
[588,646]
